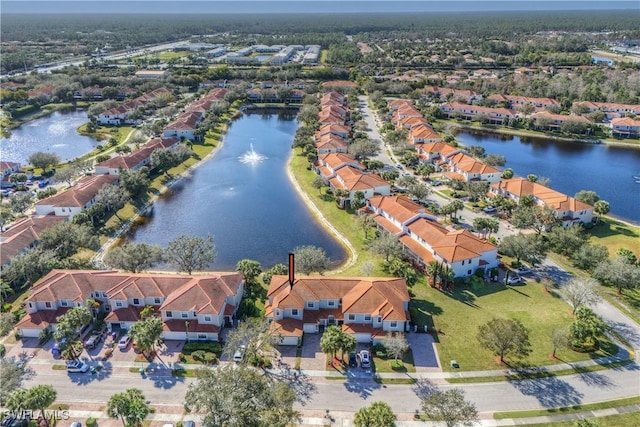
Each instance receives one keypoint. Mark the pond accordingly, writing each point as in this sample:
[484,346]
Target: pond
[608,170]
[243,198]
[55,134]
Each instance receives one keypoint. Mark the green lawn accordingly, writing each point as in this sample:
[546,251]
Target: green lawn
[342,220]
[615,235]
[569,409]
[628,419]
[457,316]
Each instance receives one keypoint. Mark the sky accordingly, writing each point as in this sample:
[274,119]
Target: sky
[302,6]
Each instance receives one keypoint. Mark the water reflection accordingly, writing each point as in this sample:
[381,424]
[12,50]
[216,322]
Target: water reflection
[252,212]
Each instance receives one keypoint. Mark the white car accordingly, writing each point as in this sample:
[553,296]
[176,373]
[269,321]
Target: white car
[490,210]
[77,366]
[514,279]
[124,342]
[365,359]
[239,354]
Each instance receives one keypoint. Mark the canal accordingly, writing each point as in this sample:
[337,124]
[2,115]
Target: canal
[572,166]
[243,198]
[54,134]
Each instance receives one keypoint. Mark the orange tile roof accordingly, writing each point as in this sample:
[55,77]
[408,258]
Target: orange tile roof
[441,148]
[23,234]
[548,196]
[399,207]
[334,160]
[287,327]
[81,193]
[354,179]
[425,133]
[376,296]
[625,121]
[41,319]
[468,164]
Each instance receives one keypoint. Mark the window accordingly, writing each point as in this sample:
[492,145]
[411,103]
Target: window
[30,305]
[331,303]
[367,317]
[393,324]
[202,336]
[118,303]
[64,303]
[468,271]
[156,301]
[310,304]
[185,315]
[379,319]
[47,304]
[207,318]
[294,312]
[169,314]
[352,317]
[136,301]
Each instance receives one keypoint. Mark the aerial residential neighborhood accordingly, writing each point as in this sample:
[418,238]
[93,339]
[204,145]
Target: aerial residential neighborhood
[258,214]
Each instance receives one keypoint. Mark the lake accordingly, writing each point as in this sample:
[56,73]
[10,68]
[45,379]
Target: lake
[251,209]
[55,134]
[572,166]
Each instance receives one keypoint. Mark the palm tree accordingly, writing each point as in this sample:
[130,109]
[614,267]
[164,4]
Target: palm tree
[446,275]
[433,268]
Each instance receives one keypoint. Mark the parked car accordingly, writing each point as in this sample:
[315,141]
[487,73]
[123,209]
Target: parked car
[76,424]
[76,366]
[124,342]
[238,356]
[56,350]
[353,360]
[365,359]
[490,210]
[188,423]
[514,279]
[93,341]
[523,270]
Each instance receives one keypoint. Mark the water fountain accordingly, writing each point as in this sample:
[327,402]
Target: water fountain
[251,157]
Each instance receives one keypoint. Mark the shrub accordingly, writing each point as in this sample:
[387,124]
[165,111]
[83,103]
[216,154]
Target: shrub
[198,355]
[6,323]
[6,307]
[91,422]
[45,335]
[3,350]
[210,346]
[210,358]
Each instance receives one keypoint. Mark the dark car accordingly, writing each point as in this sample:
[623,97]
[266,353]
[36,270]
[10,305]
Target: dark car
[353,360]
[93,341]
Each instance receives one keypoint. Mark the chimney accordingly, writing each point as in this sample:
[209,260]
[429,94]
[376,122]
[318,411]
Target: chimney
[292,275]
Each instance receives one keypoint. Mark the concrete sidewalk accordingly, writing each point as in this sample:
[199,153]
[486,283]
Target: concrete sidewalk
[174,414]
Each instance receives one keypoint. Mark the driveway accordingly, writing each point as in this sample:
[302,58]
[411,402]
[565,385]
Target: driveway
[425,357]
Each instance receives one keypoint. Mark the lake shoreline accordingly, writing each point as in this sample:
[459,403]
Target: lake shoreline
[514,132]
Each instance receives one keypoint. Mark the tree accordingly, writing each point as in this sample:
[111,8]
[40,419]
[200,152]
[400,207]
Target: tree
[310,258]
[113,197]
[146,332]
[130,406]
[505,337]
[250,270]
[331,340]
[12,375]
[5,216]
[529,247]
[619,273]
[67,332]
[378,414]
[365,221]
[588,256]
[419,190]
[17,401]
[567,240]
[559,339]
[19,203]
[136,182]
[477,189]
[189,253]
[400,268]
[579,291]
[449,407]
[256,335]
[319,182]
[523,216]
[65,174]
[163,159]
[586,327]
[241,396]
[26,268]
[358,200]
[43,160]
[544,218]
[66,238]
[486,226]
[601,207]
[386,245]
[507,173]
[527,109]
[363,148]
[587,196]
[41,397]
[133,257]
[396,344]
[494,160]
[627,256]
[278,269]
